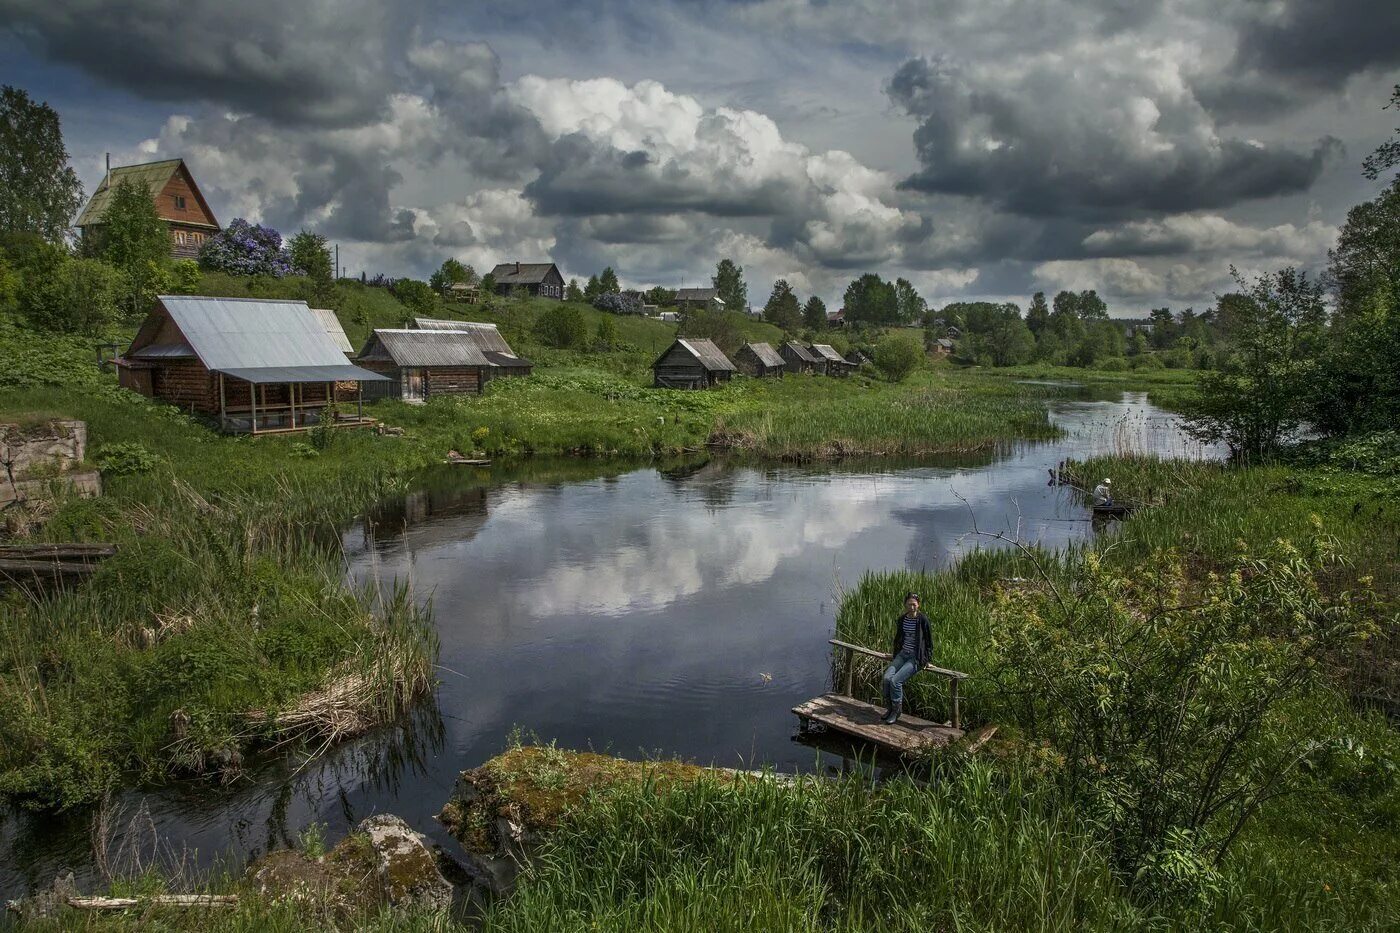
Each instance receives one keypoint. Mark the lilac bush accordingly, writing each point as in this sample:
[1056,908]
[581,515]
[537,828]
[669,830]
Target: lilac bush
[243,248]
[619,303]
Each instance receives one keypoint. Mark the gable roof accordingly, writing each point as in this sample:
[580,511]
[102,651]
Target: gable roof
[154,175]
[703,349]
[765,353]
[801,352]
[255,339]
[331,323]
[828,353]
[521,273]
[423,348]
[487,336]
[698,294]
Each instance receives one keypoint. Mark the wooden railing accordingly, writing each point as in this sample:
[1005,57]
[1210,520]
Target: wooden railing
[847,684]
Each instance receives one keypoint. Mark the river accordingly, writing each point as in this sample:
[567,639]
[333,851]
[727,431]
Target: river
[642,611]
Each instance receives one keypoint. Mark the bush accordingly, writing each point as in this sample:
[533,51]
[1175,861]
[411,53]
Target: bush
[1113,364]
[77,296]
[242,248]
[897,356]
[125,459]
[184,276]
[563,327]
[607,334]
[618,303]
[417,296]
[1149,361]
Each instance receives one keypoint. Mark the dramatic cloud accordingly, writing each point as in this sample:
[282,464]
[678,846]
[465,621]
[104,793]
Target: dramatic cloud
[1211,233]
[1098,129]
[1320,43]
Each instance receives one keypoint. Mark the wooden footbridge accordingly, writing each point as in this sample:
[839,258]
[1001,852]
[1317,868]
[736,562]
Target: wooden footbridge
[843,713]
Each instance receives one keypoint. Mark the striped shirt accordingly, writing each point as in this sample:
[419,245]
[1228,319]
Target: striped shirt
[910,625]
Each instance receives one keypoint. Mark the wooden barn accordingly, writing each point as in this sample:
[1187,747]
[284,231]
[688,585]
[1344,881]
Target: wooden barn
[257,365]
[489,341]
[178,202]
[797,359]
[691,363]
[539,279]
[422,364]
[759,359]
[835,364]
[706,298]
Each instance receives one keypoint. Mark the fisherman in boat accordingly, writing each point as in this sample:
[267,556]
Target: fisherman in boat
[911,649]
[1103,494]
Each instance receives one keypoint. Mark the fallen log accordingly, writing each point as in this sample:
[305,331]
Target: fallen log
[155,900]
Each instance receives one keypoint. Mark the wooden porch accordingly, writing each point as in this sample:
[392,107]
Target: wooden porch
[843,713]
[249,408]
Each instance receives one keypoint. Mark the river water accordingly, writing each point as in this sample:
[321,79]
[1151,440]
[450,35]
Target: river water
[644,611]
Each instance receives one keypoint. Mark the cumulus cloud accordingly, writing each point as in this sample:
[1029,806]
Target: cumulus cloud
[1318,44]
[1211,233]
[1097,129]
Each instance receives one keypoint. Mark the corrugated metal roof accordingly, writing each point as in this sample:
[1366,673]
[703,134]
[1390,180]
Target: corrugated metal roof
[331,323]
[521,273]
[709,355]
[766,354]
[164,351]
[828,353]
[252,333]
[487,336]
[154,175]
[801,352]
[343,372]
[424,348]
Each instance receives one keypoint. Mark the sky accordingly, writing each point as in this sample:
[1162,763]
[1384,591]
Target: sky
[983,149]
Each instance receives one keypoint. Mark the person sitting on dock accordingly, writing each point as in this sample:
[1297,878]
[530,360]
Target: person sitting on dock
[1103,494]
[911,649]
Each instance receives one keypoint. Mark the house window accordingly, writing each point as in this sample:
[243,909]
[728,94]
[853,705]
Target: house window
[179,202]
[180,237]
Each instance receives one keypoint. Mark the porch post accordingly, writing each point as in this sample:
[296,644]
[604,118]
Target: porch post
[223,407]
[359,401]
[292,395]
[253,397]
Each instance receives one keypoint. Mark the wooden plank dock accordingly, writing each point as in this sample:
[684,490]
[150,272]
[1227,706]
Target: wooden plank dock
[843,713]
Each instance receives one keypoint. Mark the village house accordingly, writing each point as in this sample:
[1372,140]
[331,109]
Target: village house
[798,359]
[836,364]
[487,337]
[421,364]
[691,363]
[759,359]
[836,319]
[255,364]
[538,279]
[707,298]
[942,347]
[177,198]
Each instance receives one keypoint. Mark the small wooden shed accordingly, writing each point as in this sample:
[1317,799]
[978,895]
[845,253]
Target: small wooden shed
[836,364]
[421,364]
[759,359]
[797,359]
[691,363]
[488,340]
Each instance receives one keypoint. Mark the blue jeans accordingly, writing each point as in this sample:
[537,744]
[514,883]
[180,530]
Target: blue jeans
[901,669]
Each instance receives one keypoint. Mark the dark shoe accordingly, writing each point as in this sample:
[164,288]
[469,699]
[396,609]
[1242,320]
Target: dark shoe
[892,715]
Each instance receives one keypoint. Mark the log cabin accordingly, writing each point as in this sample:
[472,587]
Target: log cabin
[488,339]
[178,200]
[835,364]
[423,364]
[759,360]
[691,363]
[797,359]
[703,298]
[538,279]
[254,365]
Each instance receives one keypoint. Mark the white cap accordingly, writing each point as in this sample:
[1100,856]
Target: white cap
[1108,482]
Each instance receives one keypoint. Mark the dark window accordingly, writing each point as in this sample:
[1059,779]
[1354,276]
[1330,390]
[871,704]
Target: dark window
[179,202]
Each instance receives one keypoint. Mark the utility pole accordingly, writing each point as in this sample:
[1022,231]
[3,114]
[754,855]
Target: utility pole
[337,261]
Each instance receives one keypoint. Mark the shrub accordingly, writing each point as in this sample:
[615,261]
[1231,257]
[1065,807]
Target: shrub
[1113,364]
[184,276]
[125,459]
[618,303]
[563,327]
[1149,361]
[77,296]
[607,334]
[243,248]
[417,296]
[897,355]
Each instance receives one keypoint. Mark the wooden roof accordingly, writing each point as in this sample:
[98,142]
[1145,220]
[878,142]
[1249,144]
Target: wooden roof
[697,294]
[705,352]
[828,353]
[521,273]
[154,175]
[765,353]
[801,352]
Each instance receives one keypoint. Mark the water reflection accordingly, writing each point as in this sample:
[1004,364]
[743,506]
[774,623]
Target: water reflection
[680,610]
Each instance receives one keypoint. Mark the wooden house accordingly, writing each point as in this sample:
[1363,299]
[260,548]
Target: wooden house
[797,359]
[178,201]
[942,347]
[691,363]
[836,364]
[538,279]
[759,359]
[504,361]
[422,364]
[256,365]
[707,298]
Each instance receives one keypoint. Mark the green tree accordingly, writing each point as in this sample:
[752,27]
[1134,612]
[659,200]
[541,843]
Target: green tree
[719,326]
[909,304]
[1038,315]
[572,292]
[728,281]
[871,300]
[39,191]
[606,337]
[1364,266]
[593,289]
[782,309]
[312,258]
[563,327]
[607,281]
[1260,397]
[1092,307]
[185,276]
[450,273]
[898,355]
[1387,155]
[417,296]
[659,295]
[814,314]
[77,296]
[133,238]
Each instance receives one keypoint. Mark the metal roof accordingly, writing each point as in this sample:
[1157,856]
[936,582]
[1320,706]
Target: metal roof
[343,372]
[507,360]
[765,353]
[487,336]
[424,348]
[331,323]
[709,355]
[521,273]
[828,353]
[801,352]
[163,351]
[697,294]
[252,333]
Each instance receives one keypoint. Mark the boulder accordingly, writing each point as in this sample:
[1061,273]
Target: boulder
[408,872]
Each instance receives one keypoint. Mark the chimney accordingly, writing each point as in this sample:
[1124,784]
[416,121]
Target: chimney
[107,179]
[517,267]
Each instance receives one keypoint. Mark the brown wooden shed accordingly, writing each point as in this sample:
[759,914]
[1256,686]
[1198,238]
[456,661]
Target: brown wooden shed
[759,359]
[835,363]
[798,359]
[691,363]
[488,340]
[421,364]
